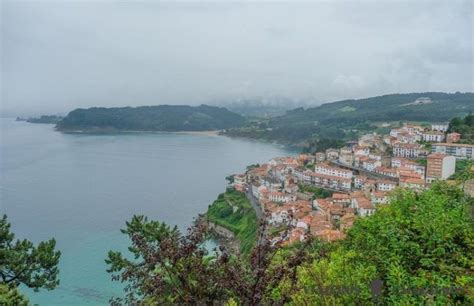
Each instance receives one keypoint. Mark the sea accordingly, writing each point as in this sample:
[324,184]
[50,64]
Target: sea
[80,189]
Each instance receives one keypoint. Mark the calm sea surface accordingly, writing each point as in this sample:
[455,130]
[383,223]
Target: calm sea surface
[81,189]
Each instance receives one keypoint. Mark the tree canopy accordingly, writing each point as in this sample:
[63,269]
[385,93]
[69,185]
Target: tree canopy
[464,126]
[23,263]
[419,249]
[150,118]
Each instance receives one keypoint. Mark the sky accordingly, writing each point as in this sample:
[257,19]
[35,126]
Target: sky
[60,55]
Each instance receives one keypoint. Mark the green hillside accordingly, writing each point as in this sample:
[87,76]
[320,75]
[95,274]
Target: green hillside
[346,119]
[151,118]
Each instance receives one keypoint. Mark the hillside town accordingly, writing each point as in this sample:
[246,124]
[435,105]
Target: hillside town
[359,177]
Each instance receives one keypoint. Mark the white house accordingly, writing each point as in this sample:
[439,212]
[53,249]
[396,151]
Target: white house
[433,136]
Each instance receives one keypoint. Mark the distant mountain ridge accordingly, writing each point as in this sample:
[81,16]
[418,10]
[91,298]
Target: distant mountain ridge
[151,118]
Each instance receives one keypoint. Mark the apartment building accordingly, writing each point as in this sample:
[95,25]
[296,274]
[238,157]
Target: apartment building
[440,166]
[458,150]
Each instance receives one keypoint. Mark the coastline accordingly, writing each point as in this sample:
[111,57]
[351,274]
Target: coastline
[204,133]
[106,132]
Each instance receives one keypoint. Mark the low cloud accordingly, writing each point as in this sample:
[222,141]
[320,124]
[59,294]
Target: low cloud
[57,56]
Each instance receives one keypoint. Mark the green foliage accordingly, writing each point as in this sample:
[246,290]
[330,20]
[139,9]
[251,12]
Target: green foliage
[318,193]
[301,127]
[339,279]
[11,296]
[464,126]
[250,167]
[420,249]
[321,145]
[233,211]
[463,170]
[165,267]
[22,263]
[151,118]
[51,119]
[230,179]
[417,242]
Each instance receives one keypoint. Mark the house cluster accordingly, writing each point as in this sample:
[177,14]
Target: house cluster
[360,176]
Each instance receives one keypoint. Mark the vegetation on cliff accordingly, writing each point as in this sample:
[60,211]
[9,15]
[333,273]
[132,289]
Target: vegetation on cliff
[233,211]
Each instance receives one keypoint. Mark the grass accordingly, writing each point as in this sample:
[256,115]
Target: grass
[347,109]
[318,193]
[233,211]
[463,170]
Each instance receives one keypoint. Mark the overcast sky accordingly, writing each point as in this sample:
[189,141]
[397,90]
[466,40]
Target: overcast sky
[60,55]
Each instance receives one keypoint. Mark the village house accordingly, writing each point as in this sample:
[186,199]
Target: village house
[332,154]
[361,151]
[341,198]
[362,206]
[346,158]
[325,169]
[407,150]
[331,182]
[281,197]
[433,136]
[277,214]
[453,137]
[319,157]
[412,183]
[386,171]
[458,150]
[379,197]
[240,182]
[291,188]
[271,183]
[441,127]
[347,221]
[283,161]
[256,173]
[399,162]
[440,166]
[385,185]
[408,137]
[369,164]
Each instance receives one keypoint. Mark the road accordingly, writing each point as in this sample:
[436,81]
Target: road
[255,203]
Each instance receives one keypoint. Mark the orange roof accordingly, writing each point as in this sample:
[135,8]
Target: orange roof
[412,180]
[380,194]
[340,196]
[437,156]
[331,177]
[363,202]
[331,235]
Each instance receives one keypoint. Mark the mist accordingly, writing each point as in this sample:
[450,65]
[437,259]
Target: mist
[57,56]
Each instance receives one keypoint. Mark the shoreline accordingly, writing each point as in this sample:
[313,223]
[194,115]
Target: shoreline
[115,132]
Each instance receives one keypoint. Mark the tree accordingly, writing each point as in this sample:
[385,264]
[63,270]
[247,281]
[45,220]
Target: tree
[168,267]
[21,262]
[422,246]
[230,179]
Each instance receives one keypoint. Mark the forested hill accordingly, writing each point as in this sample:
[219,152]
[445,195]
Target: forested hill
[347,119]
[151,118]
[429,106]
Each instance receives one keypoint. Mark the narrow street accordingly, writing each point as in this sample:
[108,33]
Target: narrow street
[255,204]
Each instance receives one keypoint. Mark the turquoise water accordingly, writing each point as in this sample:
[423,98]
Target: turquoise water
[81,189]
